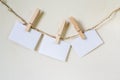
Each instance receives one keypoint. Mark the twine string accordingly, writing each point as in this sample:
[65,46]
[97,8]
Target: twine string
[12,11]
[96,27]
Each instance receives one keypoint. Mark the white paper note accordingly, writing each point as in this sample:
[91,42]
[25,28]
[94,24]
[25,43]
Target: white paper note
[24,38]
[50,48]
[83,47]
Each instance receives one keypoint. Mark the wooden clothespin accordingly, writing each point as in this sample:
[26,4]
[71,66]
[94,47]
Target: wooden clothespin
[77,27]
[61,32]
[33,19]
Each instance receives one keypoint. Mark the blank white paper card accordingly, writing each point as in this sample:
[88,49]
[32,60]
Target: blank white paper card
[50,48]
[83,47]
[24,38]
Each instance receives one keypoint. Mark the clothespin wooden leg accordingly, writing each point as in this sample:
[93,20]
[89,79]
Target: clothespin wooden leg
[77,27]
[33,19]
[61,32]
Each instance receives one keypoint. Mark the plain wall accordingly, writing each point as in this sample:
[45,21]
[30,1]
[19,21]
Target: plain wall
[19,63]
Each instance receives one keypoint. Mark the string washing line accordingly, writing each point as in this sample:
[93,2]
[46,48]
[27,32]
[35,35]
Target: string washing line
[96,27]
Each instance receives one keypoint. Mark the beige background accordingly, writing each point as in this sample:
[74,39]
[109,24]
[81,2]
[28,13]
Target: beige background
[19,63]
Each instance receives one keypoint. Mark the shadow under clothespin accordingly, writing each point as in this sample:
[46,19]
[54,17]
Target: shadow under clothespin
[78,28]
[62,31]
[33,20]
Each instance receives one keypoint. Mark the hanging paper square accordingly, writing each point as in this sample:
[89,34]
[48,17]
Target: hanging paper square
[24,38]
[50,48]
[83,47]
